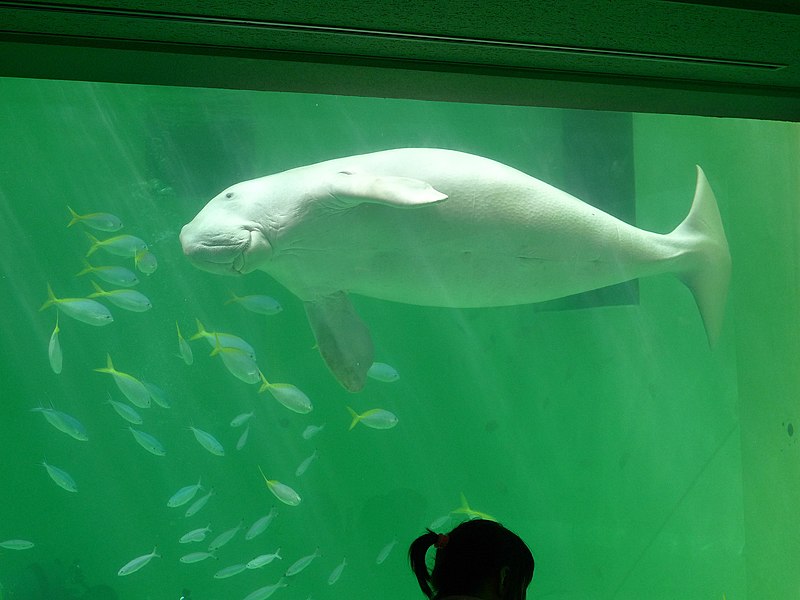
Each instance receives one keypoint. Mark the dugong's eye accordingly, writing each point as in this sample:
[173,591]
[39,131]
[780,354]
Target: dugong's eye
[229,195]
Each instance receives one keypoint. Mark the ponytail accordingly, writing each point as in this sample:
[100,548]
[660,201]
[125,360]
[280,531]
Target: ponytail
[469,557]
[416,556]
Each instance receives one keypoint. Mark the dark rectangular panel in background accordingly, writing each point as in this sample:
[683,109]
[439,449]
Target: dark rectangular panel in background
[598,168]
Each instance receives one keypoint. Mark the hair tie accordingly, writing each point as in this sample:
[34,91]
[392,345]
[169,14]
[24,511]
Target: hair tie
[441,541]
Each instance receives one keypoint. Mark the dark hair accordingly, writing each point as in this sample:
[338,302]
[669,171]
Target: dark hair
[469,556]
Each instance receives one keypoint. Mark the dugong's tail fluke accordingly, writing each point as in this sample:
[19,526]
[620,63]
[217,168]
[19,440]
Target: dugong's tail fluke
[707,267]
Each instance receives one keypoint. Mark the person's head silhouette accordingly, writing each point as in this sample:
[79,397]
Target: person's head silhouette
[478,559]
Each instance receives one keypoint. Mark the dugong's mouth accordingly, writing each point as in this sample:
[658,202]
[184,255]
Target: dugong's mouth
[227,254]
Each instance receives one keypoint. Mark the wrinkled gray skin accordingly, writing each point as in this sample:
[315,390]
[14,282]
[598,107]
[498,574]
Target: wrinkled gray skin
[439,228]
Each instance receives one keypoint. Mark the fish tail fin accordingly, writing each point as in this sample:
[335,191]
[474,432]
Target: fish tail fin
[75,217]
[264,382]
[707,269]
[464,507]
[218,347]
[178,328]
[155,550]
[98,291]
[201,331]
[233,298]
[87,268]
[51,298]
[95,244]
[356,417]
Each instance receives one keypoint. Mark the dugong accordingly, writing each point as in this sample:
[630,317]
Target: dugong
[439,228]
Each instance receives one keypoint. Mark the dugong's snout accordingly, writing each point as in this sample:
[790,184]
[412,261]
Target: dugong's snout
[235,251]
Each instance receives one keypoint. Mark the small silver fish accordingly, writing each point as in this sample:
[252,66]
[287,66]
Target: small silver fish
[260,525]
[16,545]
[125,411]
[263,305]
[133,389]
[383,372]
[288,395]
[224,537]
[264,559]
[312,430]
[85,310]
[60,477]
[54,350]
[119,245]
[195,507]
[238,362]
[64,422]
[241,419]
[376,418]
[195,535]
[384,553]
[137,563]
[114,275]
[208,441]
[148,442]
[243,438]
[301,563]
[303,467]
[281,491]
[194,557]
[337,572]
[99,220]
[145,261]
[157,395]
[124,298]
[184,349]
[226,340]
[229,571]
[265,592]
[183,495]
[440,522]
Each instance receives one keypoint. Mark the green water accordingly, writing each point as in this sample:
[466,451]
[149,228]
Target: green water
[636,462]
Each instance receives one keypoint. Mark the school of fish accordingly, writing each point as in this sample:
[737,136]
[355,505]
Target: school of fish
[133,399]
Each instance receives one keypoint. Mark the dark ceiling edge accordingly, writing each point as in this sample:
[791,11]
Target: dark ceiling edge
[45,56]
[168,18]
[369,60]
[782,7]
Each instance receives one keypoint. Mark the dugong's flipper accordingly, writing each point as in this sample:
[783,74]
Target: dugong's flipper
[343,339]
[399,192]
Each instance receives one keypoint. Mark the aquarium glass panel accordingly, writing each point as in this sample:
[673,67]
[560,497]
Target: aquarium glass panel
[583,325]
